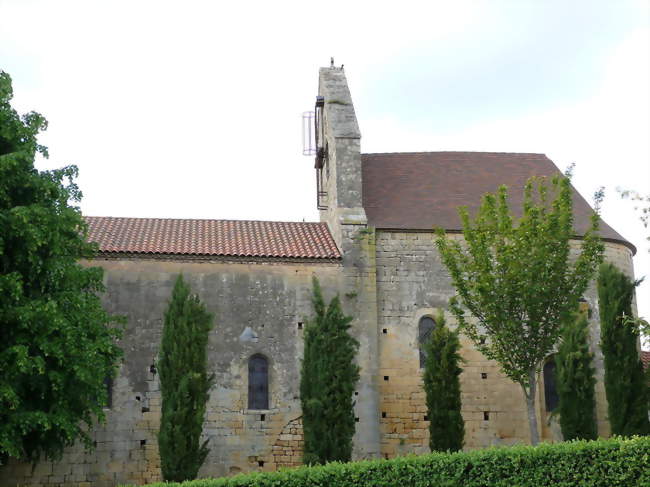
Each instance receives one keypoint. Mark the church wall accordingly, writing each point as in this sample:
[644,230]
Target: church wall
[412,282]
[386,280]
[359,299]
[271,299]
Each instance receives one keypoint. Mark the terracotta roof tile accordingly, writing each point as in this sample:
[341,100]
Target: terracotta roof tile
[422,190]
[241,238]
[645,359]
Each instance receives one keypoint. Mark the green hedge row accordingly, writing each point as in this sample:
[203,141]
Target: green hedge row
[604,463]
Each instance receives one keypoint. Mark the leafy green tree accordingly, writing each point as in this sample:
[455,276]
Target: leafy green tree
[576,382]
[442,387]
[628,396]
[184,384]
[328,378]
[517,280]
[57,345]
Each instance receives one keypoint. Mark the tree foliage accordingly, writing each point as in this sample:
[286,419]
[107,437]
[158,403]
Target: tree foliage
[328,378]
[628,396]
[576,381]
[184,384]
[517,278]
[57,345]
[442,387]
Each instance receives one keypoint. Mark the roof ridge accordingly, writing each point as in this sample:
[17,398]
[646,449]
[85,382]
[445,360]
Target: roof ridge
[200,219]
[454,152]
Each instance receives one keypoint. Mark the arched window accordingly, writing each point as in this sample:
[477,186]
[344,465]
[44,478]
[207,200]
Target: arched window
[258,382]
[425,327]
[551,398]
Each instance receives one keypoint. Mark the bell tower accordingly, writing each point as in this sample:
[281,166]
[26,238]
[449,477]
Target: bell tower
[338,154]
[339,193]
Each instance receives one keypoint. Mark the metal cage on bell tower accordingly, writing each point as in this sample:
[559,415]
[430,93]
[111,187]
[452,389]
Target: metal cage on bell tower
[321,151]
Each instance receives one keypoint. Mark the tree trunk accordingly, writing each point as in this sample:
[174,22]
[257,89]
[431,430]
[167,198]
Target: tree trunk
[530,403]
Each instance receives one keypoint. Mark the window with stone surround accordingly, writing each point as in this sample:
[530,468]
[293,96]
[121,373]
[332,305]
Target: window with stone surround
[425,327]
[258,382]
[551,398]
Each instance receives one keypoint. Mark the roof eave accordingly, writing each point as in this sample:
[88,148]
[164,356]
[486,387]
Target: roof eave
[623,242]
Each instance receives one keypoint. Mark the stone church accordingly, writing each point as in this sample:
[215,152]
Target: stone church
[374,246]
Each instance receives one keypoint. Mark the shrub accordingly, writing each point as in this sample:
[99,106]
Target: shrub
[604,463]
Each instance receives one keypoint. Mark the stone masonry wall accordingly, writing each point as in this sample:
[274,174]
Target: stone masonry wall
[388,281]
[411,283]
[271,299]
[288,448]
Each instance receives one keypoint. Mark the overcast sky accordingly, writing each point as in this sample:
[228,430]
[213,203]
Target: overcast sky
[193,109]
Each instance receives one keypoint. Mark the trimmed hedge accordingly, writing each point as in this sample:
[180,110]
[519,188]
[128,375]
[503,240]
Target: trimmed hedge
[617,462]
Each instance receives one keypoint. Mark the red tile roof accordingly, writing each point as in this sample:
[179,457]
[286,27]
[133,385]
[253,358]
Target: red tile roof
[422,190]
[645,359]
[240,238]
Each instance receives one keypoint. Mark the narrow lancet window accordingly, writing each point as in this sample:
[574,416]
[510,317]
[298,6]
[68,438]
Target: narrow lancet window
[551,398]
[425,327]
[258,382]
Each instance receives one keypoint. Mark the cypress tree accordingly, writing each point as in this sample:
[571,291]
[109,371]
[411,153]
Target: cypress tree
[625,383]
[184,384]
[328,378]
[442,388]
[576,381]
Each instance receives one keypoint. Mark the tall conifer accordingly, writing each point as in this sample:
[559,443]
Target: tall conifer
[442,388]
[625,382]
[576,381]
[328,378]
[184,384]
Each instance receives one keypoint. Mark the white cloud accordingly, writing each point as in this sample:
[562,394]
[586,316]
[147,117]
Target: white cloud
[192,108]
